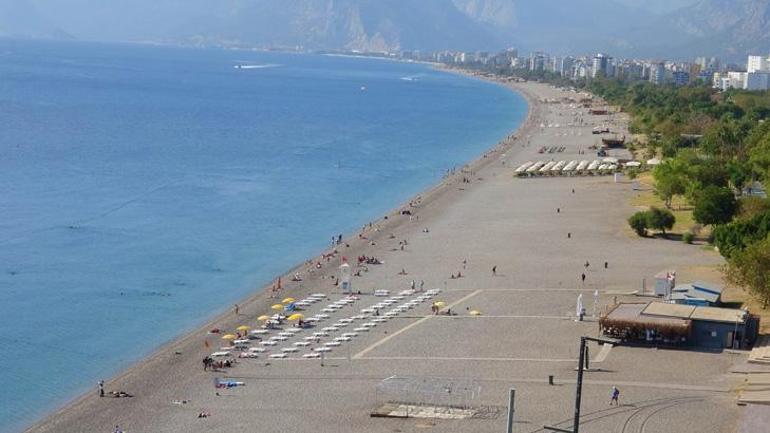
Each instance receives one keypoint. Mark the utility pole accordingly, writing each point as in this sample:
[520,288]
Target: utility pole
[582,365]
[511,399]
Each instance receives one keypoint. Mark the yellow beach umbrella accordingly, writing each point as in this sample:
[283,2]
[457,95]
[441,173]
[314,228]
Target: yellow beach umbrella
[475,313]
[228,337]
[263,317]
[296,316]
[277,307]
[243,328]
[288,300]
[440,304]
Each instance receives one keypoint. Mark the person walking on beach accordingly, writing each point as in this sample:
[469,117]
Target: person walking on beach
[101,388]
[606,264]
[494,271]
[237,309]
[614,395]
[422,285]
[583,277]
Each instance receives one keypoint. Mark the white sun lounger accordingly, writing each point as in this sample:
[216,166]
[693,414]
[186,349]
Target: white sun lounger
[361,329]
[220,353]
[289,350]
[311,355]
[302,343]
[332,343]
[322,349]
[278,356]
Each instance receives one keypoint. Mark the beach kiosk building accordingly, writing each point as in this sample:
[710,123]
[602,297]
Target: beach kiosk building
[697,293]
[660,323]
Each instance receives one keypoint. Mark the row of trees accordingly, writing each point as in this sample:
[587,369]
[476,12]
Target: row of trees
[715,146]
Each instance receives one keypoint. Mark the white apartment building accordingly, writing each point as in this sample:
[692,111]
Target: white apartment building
[758,64]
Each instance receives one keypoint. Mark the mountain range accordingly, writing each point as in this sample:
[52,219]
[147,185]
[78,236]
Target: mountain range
[621,27]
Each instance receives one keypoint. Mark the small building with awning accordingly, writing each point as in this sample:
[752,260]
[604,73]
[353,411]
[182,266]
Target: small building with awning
[661,323]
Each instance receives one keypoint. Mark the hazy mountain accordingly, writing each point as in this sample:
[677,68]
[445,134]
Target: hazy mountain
[19,18]
[727,28]
[657,6]
[621,27]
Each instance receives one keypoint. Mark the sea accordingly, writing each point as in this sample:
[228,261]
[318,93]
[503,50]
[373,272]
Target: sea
[145,189]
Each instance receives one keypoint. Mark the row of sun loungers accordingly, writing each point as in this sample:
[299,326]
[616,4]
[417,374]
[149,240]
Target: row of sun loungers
[323,340]
[540,168]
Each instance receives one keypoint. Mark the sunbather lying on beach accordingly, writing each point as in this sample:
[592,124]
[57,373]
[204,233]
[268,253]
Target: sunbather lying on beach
[120,394]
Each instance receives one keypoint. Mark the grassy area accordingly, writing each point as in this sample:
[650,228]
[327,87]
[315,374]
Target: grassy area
[732,296]
[681,209]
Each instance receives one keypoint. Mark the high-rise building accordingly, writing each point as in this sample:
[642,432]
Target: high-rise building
[567,64]
[537,62]
[658,73]
[757,64]
[600,63]
[757,80]
[681,78]
[555,65]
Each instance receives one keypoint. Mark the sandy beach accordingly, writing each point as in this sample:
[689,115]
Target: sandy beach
[536,233]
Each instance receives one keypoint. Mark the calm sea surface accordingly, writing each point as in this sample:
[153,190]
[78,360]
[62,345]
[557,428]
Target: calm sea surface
[145,189]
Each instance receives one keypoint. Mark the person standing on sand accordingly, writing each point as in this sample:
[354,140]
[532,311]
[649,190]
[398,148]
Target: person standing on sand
[422,285]
[101,388]
[583,277]
[614,396]
[237,309]
[494,271]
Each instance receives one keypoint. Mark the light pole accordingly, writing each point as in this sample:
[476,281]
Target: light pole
[582,362]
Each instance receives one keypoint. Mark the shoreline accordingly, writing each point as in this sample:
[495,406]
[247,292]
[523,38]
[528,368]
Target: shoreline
[259,300]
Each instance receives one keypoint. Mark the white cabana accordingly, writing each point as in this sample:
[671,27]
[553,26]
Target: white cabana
[524,167]
[535,167]
[583,165]
[559,166]
[547,166]
[571,166]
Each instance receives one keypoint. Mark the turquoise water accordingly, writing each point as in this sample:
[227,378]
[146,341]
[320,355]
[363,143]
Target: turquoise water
[145,189]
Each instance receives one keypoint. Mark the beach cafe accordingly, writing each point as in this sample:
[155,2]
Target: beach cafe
[658,323]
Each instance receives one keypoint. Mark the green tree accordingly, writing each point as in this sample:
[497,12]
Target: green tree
[638,223]
[715,205]
[670,180]
[660,219]
[749,269]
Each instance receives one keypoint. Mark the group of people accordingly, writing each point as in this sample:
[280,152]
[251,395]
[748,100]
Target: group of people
[369,260]
[214,365]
